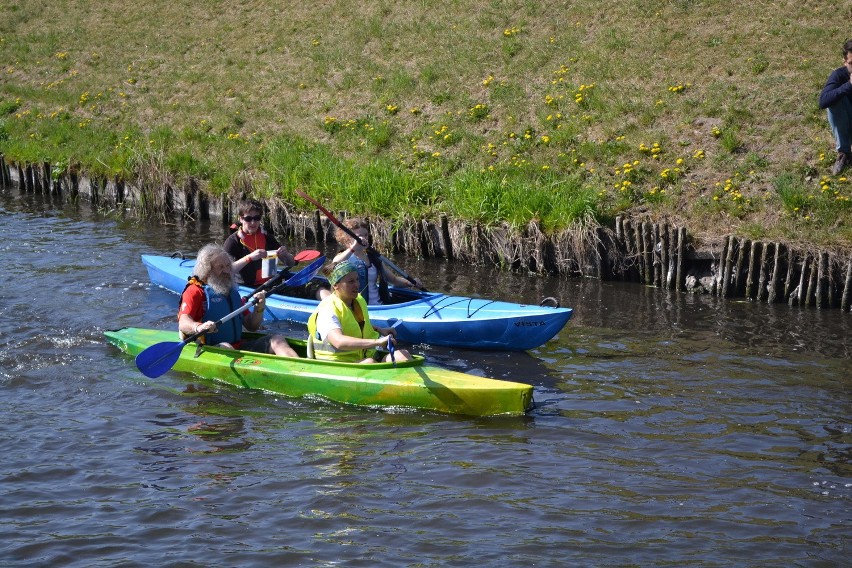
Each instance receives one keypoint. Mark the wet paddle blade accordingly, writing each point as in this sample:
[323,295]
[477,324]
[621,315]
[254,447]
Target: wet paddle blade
[159,358]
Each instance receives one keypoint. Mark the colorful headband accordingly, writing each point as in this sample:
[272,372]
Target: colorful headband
[340,271]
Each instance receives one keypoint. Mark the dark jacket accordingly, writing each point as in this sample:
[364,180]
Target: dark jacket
[836,87]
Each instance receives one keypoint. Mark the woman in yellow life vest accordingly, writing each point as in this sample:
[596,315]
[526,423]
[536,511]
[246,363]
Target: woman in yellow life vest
[340,327]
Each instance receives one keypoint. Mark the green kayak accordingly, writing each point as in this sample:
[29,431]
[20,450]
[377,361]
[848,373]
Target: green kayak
[409,384]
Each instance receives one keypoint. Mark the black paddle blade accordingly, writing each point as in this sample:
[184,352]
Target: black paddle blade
[159,358]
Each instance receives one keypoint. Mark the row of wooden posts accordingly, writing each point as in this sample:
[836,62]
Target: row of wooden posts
[662,255]
[654,254]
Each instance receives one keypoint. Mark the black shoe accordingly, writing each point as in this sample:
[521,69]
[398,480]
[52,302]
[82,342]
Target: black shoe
[844,160]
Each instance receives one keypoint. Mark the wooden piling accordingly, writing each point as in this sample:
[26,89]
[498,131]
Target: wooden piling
[738,280]
[812,282]
[46,178]
[630,253]
[750,269]
[648,242]
[657,242]
[730,262]
[801,292]
[820,292]
[29,181]
[681,251]
[827,280]
[772,288]
[719,278]
[638,230]
[445,235]
[764,269]
[847,286]
[664,255]
[791,267]
[670,257]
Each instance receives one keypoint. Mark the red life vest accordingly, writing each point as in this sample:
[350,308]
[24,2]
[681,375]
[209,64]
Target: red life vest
[259,241]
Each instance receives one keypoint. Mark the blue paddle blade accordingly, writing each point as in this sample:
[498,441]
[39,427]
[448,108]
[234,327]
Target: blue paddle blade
[305,274]
[159,358]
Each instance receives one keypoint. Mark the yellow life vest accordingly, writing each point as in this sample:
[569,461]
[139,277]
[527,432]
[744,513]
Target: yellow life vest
[351,325]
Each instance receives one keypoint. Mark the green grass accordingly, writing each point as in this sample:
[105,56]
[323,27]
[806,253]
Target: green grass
[500,112]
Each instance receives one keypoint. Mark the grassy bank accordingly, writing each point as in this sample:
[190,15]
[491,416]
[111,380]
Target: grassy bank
[699,112]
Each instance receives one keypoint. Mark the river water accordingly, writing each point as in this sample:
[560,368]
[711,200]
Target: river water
[669,429]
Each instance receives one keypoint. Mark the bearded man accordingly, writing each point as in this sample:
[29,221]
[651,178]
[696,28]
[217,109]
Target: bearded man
[211,294]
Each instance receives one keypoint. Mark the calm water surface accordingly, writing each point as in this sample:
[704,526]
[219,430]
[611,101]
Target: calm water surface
[669,430]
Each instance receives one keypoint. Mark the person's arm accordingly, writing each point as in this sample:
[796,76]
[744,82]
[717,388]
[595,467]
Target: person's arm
[188,326]
[839,85]
[397,280]
[349,343]
[345,253]
[242,262]
[253,320]
[284,256]
[242,257]
[191,312]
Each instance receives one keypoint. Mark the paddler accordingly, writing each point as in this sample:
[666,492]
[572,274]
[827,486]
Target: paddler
[340,328]
[252,246]
[211,294]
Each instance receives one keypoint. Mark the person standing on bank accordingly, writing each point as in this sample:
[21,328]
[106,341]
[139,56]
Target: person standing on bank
[249,245]
[340,327]
[211,294]
[836,99]
[373,276]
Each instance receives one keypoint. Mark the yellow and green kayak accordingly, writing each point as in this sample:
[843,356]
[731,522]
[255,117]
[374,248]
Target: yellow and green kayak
[409,384]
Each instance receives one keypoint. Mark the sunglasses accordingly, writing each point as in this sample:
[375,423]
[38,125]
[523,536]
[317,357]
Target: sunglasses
[252,218]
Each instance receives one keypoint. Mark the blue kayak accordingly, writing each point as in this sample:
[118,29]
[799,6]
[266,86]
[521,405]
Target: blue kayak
[427,317]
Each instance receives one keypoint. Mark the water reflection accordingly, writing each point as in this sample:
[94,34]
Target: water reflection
[669,429]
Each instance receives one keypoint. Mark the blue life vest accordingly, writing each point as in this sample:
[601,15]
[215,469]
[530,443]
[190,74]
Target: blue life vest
[218,306]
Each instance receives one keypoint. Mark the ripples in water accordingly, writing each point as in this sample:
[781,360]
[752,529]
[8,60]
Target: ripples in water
[668,429]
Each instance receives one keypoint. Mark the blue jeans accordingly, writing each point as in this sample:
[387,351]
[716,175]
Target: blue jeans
[840,120]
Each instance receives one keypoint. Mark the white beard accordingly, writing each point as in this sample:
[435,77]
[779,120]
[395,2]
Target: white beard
[221,284]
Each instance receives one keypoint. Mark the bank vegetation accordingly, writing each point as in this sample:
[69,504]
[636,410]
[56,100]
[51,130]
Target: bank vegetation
[557,115]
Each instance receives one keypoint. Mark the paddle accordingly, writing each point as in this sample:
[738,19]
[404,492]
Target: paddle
[272,282]
[391,346]
[307,255]
[160,357]
[349,232]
